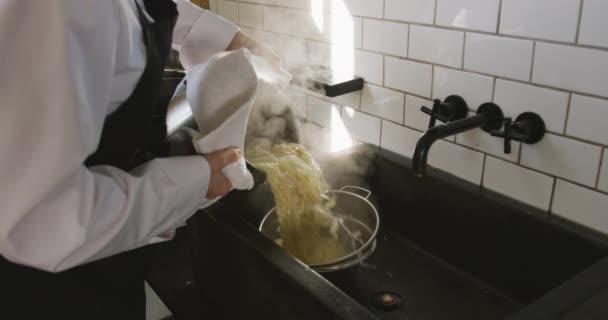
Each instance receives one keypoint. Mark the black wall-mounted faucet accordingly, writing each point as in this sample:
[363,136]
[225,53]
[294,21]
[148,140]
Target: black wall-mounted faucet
[528,128]
[489,117]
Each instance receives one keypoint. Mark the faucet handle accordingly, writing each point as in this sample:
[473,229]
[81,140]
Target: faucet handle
[507,135]
[452,108]
[433,113]
[528,128]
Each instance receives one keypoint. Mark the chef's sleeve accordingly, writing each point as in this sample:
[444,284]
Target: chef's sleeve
[57,72]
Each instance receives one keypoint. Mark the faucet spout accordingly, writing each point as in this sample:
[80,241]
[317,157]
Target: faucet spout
[489,117]
[421,153]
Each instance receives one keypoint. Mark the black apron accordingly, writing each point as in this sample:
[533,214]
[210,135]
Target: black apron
[110,288]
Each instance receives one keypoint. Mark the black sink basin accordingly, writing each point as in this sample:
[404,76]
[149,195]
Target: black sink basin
[449,250]
[454,252]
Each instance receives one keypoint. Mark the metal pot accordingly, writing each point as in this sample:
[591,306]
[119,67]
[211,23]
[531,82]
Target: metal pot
[358,216]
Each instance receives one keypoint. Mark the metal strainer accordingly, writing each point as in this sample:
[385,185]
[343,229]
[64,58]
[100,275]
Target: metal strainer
[358,217]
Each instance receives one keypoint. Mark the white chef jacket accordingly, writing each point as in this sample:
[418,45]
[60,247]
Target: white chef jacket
[64,66]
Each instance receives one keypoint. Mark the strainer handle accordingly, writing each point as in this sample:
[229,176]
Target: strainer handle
[359,189]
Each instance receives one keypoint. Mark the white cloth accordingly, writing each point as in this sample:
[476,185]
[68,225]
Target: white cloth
[221,94]
[65,65]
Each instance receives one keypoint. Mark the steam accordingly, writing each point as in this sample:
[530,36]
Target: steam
[312,63]
[272,119]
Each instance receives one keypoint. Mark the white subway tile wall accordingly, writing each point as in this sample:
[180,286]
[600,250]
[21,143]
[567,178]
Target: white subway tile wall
[307,27]
[516,97]
[541,19]
[369,66]
[320,53]
[278,20]
[571,68]
[468,14]
[480,140]
[581,205]
[385,37]
[365,8]
[363,127]
[420,11]
[383,103]
[358,31]
[436,45]
[291,48]
[594,23]
[588,119]
[250,15]
[545,56]
[499,56]
[399,139]
[413,117]
[457,160]
[261,1]
[291,3]
[409,76]
[516,182]
[321,112]
[228,10]
[475,88]
[352,99]
[563,157]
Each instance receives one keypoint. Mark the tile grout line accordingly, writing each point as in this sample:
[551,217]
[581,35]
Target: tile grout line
[445,66]
[552,200]
[238,14]
[492,155]
[409,39]
[432,81]
[483,171]
[589,142]
[533,60]
[534,84]
[464,48]
[404,109]
[383,71]
[435,13]
[264,27]
[489,155]
[599,169]
[499,19]
[493,89]
[591,188]
[362,33]
[495,79]
[580,21]
[568,107]
[509,36]
[521,149]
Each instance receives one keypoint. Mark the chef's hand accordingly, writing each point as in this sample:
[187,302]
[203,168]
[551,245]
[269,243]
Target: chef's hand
[219,185]
[241,40]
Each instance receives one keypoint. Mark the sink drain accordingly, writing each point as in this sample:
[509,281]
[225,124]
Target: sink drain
[388,301]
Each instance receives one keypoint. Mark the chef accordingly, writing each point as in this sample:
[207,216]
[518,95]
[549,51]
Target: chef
[85,178]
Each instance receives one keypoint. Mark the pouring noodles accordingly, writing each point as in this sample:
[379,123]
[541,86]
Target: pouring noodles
[307,226]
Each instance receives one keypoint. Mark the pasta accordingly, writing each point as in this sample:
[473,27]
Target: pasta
[307,226]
